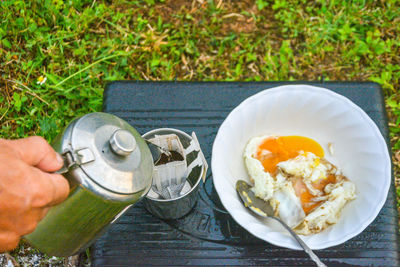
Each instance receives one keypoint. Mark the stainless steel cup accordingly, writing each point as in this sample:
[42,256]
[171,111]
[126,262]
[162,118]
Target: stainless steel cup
[177,207]
[109,167]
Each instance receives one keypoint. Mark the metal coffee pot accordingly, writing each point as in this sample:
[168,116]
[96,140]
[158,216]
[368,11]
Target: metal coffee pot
[109,167]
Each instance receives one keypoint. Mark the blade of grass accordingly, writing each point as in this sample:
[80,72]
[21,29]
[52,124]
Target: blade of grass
[29,90]
[88,67]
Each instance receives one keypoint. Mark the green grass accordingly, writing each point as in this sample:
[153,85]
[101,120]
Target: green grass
[81,45]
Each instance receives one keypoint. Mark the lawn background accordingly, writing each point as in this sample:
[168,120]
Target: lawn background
[76,47]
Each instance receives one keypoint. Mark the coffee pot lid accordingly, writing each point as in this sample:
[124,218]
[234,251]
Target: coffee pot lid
[112,152]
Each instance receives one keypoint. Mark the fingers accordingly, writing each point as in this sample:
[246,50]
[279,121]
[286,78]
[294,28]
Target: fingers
[60,187]
[26,189]
[35,151]
[8,241]
[48,189]
[27,224]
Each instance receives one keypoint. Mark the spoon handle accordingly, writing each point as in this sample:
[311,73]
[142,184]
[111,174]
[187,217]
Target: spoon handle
[308,250]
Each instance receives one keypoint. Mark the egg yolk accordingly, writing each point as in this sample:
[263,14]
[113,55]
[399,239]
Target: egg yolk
[306,198]
[276,149]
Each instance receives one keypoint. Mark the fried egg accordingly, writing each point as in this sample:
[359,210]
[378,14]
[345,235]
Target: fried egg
[304,189]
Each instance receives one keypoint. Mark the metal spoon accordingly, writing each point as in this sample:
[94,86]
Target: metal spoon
[263,209]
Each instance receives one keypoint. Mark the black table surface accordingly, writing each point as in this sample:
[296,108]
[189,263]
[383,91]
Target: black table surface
[208,235]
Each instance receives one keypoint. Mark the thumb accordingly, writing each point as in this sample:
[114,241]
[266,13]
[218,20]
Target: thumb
[35,151]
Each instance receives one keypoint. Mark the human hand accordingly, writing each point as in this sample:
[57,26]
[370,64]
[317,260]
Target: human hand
[27,190]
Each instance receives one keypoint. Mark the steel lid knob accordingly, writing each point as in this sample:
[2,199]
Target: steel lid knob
[122,142]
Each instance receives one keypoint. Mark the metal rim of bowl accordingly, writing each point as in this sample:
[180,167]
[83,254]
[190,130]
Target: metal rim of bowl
[202,166]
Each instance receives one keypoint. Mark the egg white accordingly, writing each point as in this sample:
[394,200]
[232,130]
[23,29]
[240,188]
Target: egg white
[263,181]
[288,205]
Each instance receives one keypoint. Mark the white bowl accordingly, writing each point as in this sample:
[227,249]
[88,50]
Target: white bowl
[360,152]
